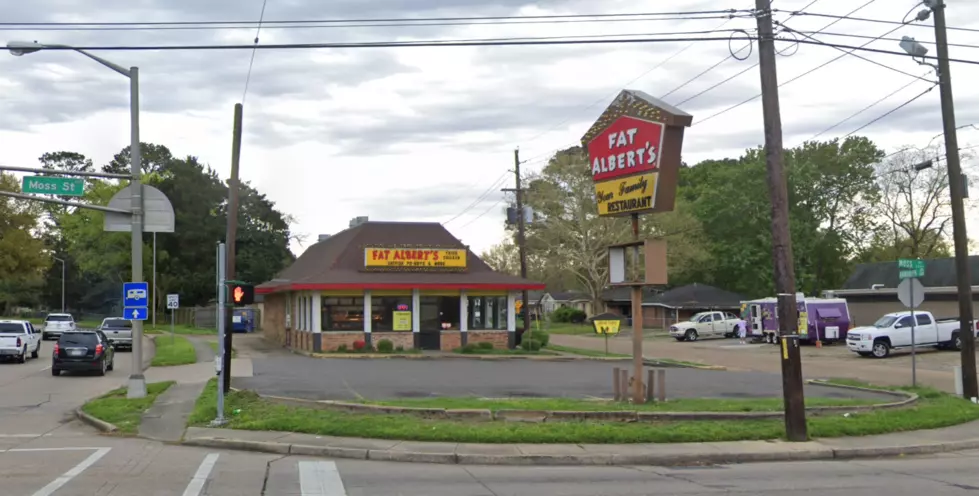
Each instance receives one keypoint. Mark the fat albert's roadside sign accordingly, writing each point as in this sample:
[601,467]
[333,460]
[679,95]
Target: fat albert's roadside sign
[634,154]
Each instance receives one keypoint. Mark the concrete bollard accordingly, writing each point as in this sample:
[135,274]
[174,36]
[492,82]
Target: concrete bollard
[661,384]
[616,387]
[650,376]
[624,383]
[957,372]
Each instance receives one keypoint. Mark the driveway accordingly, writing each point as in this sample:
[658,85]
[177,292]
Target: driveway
[286,374]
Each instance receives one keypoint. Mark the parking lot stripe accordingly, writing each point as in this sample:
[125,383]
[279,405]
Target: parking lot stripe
[74,448]
[72,473]
[320,479]
[200,478]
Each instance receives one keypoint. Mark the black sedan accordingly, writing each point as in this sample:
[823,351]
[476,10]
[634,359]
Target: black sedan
[82,351]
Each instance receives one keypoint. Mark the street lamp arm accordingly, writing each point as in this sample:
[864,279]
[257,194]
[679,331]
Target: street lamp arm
[111,65]
[23,48]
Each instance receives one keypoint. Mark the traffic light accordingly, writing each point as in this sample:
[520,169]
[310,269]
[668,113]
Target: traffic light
[242,294]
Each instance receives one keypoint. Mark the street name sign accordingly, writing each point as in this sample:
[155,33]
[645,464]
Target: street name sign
[61,186]
[910,268]
[135,300]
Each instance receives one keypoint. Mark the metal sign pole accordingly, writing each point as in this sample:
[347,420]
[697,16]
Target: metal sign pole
[219,311]
[171,325]
[914,352]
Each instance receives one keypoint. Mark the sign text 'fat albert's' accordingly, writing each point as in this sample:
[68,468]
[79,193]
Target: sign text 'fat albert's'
[634,154]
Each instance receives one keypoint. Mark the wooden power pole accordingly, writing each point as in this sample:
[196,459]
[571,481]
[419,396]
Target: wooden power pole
[521,243]
[791,358]
[230,236]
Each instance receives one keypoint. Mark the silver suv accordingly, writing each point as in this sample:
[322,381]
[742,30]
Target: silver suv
[57,323]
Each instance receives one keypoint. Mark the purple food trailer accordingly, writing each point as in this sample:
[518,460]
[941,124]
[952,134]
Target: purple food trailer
[827,319]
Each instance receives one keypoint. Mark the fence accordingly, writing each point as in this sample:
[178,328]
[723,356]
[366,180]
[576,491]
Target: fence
[204,317]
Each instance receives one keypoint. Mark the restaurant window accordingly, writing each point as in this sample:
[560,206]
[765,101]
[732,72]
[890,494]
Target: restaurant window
[342,314]
[487,312]
[439,312]
[383,311]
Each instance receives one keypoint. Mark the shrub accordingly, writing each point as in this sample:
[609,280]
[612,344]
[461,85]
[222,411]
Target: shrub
[568,315]
[530,345]
[484,345]
[399,348]
[385,346]
[342,348]
[541,336]
[469,348]
[359,345]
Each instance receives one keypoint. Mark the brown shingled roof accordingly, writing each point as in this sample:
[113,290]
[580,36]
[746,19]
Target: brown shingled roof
[338,262]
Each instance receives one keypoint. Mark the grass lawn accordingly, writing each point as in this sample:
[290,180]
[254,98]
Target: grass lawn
[214,346]
[497,351]
[179,351]
[678,405]
[584,351]
[181,330]
[935,409]
[115,408]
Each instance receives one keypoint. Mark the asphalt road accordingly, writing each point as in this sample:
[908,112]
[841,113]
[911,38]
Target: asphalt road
[286,374]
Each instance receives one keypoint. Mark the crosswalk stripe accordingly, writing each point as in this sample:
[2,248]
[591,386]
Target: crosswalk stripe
[72,473]
[320,479]
[200,478]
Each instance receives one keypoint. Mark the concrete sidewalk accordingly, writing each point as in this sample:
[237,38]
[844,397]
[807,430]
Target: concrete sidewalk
[961,437]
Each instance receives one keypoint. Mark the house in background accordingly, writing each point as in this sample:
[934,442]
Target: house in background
[546,302]
[871,291]
[660,309]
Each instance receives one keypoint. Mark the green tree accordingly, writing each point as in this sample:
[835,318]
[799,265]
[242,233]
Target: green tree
[23,257]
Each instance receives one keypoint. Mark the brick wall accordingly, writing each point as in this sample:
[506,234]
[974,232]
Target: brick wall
[498,338]
[401,338]
[332,340]
[274,317]
[451,340]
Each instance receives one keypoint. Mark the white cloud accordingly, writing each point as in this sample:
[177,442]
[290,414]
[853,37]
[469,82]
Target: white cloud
[420,133]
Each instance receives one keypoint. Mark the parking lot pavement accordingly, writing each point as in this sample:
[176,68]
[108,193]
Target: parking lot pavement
[312,378]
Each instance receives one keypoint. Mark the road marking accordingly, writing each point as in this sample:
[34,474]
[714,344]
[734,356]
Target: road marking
[320,479]
[76,448]
[46,368]
[200,478]
[71,474]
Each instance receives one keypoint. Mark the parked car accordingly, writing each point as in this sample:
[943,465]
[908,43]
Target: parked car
[893,332]
[119,331]
[17,339]
[57,323]
[707,325]
[82,351]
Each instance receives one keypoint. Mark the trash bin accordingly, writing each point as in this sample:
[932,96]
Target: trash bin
[243,320]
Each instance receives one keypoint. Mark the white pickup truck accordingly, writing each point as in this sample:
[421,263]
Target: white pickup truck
[17,339]
[893,332]
[706,325]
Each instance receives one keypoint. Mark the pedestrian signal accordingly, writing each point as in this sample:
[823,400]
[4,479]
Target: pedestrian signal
[242,294]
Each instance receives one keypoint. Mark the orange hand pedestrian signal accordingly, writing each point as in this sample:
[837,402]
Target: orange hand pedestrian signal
[242,294]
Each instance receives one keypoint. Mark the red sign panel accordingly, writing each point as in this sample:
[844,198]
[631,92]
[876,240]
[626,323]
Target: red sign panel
[627,146]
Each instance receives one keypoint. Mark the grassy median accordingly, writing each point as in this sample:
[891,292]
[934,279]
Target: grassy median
[114,408]
[571,404]
[176,351]
[247,411]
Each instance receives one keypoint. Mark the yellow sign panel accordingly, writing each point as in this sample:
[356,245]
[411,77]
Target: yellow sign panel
[607,326]
[627,195]
[804,323]
[415,258]
[402,321]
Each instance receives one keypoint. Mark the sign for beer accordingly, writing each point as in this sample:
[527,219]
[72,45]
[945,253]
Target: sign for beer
[418,258]
[628,195]
[628,146]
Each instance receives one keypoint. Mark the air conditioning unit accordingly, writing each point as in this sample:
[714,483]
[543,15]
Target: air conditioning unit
[356,221]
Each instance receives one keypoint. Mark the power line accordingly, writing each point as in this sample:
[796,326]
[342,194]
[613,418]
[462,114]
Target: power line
[897,40]
[730,78]
[810,71]
[251,62]
[491,207]
[868,107]
[889,112]
[481,197]
[366,23]
[878,21]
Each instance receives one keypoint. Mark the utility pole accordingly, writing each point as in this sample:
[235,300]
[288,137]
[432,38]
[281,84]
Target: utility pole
[230,246]
[791,358]
[956,184]
[521,244]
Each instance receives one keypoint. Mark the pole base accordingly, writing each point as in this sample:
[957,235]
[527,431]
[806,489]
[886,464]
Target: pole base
[218,422]
[137,387]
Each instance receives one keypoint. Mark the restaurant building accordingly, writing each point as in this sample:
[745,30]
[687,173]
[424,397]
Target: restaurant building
[413,283]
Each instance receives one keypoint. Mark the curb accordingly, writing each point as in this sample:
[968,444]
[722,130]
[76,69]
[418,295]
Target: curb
[809,453]
[97,423]
[539,358]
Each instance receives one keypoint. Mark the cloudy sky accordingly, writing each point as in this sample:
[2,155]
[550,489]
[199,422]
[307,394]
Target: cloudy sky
[428,133]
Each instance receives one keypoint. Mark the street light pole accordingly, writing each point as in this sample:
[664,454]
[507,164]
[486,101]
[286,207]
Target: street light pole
[62,283]
[956,187]
[137,382]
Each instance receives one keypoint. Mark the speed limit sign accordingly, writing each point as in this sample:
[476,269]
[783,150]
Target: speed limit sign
[173,301]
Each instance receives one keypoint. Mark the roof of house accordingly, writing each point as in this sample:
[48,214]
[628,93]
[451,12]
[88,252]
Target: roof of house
[338,262]
[624,294]
[572,295]
[939,272]
[699,296]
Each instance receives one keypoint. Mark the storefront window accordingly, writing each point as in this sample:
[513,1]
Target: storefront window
[487,312]
[342,314]
[439,312]
[383,313]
